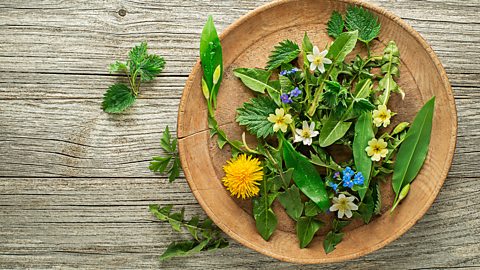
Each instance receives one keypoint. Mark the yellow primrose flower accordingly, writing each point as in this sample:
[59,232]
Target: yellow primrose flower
[377,149]
[280,120]
[242,175]
[382,116]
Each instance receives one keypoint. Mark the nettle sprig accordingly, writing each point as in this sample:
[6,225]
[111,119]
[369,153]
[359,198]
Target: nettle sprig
[170,162]
[205,235]
[140,67]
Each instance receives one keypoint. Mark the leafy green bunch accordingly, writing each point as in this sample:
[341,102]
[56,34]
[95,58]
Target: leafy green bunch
[140,67]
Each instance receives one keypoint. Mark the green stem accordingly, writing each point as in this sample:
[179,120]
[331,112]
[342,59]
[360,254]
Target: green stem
[277,167]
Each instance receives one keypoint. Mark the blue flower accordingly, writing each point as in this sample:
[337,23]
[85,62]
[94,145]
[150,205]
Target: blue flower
[283,72]
[348,172]
[286,99]
[293,70]
[358,179]
[347,183]
[333,186]
[295,92]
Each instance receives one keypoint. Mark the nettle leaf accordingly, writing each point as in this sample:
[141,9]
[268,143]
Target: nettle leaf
[361,105]
[118,67]
[331,241]
[137,55]
[291,201]
[254,116]
[118,98]
[150,67]
[254,78]
[306,229]
[285,52]
[335,25]
[414,149]
[367,24]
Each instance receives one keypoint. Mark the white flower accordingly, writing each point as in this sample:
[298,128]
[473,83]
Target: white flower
[382,116]
[317,60]
[344,206]
[280,120]
[306,133]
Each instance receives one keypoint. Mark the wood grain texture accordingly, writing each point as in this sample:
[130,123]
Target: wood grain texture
[74,185]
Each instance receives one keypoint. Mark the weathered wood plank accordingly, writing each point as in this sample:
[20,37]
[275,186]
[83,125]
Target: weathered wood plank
[90,222]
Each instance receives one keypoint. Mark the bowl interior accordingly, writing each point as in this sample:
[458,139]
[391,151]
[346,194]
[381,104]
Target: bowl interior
[247,43]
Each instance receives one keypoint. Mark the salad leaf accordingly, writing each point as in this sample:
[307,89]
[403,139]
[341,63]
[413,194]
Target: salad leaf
[254,78]
[306,229]
[254,116]
[363,163]
[335,25]
[332,131]
[291,201]
[364,21]
[285,52]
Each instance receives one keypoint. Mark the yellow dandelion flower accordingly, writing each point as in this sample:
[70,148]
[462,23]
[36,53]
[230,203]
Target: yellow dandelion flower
[242,176]
[377,149]
[382,116]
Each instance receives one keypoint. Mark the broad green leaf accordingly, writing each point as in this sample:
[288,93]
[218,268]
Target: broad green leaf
[331,241]
[311,209]
[291,201]
[118,98]
[211,57]
[306,229]
[342,46]
[335,25]
[367,24]
[254,116]
[265,218]
[306,176]
[184,248]
[332,131]
[414,149]
[254,78]
[363,163]
[285,52]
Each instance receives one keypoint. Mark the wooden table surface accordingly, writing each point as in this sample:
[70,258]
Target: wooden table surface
[75,186]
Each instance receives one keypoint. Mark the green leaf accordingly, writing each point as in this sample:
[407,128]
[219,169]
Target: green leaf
[166,141]
[377,198]
[367,207]
[211,57]
[311,209]
[118,98]
[265,218]
[159,164]
[390,69]
[118,67]
[174,171]
[306,176]
[254,78]
[137,55]
[331,241]
[367,24]
[342,46]
[183,248]
[335,25]
[338,225]
[254,116]
[361,105]
[414,149]
[306,229]
[274,92]
[150,67]
[291,201]
[363,163]
[285,52]
[332,131]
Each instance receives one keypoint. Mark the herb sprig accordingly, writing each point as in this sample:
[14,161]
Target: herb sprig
[140,67]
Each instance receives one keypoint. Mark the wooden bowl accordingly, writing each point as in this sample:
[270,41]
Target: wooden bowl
[247,43]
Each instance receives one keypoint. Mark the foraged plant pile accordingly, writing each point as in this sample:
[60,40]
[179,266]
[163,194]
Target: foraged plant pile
[307,100]
[310,104]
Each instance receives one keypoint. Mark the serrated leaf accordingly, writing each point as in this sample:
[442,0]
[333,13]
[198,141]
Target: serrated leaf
[150,67]
[335,25]
[137,55]
[306,229]
[285,52]
[254,116]
[254,78]
[413,151]
[118,98]
[367,24]
[118,67]
[331,241]
[291,201]
[362,105]
[183,248]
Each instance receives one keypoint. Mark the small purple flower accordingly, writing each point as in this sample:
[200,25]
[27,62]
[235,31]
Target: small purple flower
[358,179]
[286,99]
[283,72]
[336,175]
[295,92]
